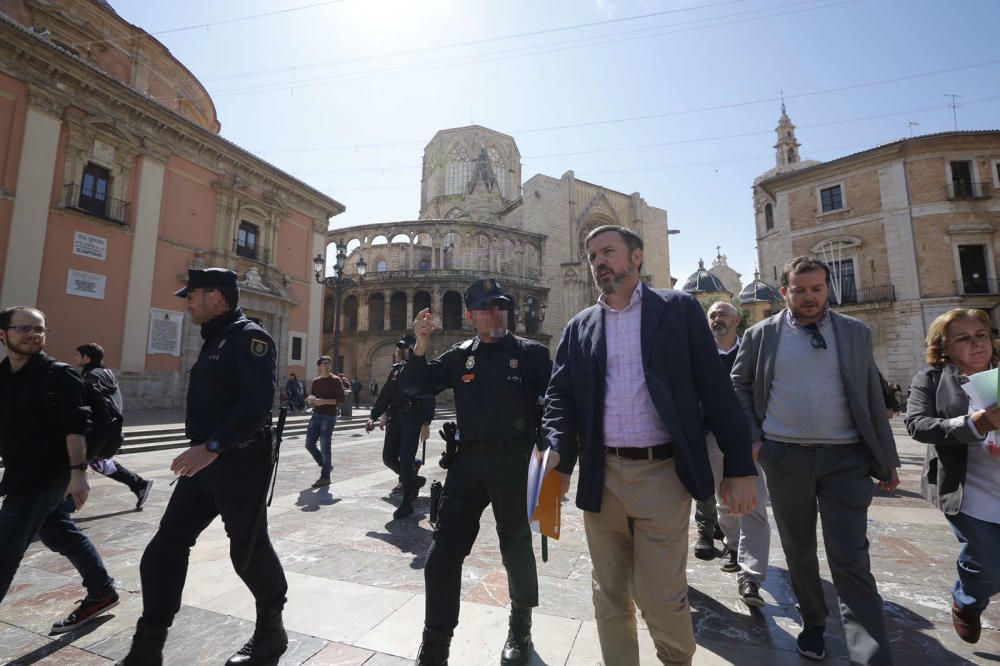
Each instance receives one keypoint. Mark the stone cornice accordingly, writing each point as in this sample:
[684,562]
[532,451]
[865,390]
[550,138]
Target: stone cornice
[58,79]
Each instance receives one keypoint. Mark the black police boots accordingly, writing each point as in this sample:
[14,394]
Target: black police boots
[268,643]
[433,649]
[518,647]
[147,646]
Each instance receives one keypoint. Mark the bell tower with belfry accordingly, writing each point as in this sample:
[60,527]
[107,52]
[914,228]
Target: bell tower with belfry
[787,148]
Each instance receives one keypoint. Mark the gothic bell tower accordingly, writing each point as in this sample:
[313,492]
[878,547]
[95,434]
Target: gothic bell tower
[787,148]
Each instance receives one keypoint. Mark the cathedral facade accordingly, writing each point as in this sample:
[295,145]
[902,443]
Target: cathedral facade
[477,219]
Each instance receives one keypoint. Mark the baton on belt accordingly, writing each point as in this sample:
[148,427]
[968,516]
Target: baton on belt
[267,493]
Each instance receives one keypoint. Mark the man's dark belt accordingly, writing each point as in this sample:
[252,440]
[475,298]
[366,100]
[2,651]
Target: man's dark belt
[479,448]
[658,452]
[401,409]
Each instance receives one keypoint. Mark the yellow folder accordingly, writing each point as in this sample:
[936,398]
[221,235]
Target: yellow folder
[548,513]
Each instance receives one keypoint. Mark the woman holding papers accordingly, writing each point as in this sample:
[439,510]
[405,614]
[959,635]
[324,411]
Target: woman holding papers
[953,409]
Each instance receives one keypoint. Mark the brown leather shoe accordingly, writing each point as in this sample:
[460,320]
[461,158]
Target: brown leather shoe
[966,623]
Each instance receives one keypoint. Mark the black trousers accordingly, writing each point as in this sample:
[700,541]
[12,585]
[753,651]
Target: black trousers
[230,487]
[473,482]
[399,450]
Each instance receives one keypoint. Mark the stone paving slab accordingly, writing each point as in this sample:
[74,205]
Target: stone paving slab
[357,594]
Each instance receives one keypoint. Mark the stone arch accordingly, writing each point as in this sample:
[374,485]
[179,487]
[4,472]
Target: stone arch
[458,168]
[350,313]
[402,238]
[481,254]
[421,300]
[397,312]
[380,360]
[508,258]
[768,216]
[328,314]
[376,312]
[532,261]
[451,315]
[380,240]
[451,247]
[456,213]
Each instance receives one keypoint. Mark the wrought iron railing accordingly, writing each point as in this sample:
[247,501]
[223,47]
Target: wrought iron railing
[965,189]
[977,287]
[108,208]
[253,253]
[880,294]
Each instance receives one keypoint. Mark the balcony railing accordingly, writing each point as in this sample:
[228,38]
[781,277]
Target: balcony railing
[457,274]
[109,208]
[964,189]
[977,287]
[880,294]
[254,253]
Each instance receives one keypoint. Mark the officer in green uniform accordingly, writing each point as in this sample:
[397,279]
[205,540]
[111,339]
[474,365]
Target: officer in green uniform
[497,378]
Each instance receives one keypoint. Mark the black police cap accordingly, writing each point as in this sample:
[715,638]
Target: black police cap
[483,294]
[208,278]
[407,341]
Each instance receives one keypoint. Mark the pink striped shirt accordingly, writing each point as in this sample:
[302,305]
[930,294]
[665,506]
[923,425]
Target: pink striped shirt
[630,419]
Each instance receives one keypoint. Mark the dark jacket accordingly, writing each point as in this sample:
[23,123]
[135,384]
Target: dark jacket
[936,415]
[231,387]
[393,398]
[104,378]
[38,409]
[496,387]
[683,374]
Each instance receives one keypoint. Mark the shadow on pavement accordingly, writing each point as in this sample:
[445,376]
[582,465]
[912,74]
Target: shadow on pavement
[311,499]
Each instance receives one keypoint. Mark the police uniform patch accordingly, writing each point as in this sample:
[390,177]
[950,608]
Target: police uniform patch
[258,347]
[489,285]
[513,364]
[470,363]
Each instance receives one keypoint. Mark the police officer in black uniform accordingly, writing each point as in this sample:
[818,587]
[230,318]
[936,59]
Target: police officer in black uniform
[497,378]
[409,420]
[224,472]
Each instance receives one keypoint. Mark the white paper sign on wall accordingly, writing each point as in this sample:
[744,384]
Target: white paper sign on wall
[88,285]
[87,245]
[165,332]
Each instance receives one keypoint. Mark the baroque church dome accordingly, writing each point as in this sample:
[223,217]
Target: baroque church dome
[703,281]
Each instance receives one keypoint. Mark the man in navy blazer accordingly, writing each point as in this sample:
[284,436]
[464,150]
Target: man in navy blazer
[636,380]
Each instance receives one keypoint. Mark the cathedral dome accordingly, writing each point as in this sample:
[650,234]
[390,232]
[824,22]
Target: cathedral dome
[704,281]
[759,291]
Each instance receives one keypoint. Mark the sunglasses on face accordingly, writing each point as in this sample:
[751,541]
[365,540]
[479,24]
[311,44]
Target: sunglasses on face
[28,328]
[817,341]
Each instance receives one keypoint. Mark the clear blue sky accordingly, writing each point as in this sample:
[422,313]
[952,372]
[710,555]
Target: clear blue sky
[345,95]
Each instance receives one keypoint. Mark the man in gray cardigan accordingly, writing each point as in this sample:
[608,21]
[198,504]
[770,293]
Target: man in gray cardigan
[807,380]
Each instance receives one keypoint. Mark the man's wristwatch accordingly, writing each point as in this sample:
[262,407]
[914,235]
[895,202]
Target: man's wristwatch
[214,445]
[82,467]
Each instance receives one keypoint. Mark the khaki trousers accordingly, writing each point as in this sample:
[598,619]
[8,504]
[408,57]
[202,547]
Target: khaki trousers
[638,544]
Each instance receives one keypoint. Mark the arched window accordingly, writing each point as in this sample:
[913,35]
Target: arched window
[448,250]
[458,170]
[791,156]
[376,312]
[451,318]
[381,266]
[351,313]
[397,312]
[421,300]
[768,217]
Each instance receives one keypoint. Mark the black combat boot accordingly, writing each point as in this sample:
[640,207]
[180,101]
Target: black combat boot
[518,647]
[268,643]
[405,508]
[433,649]
[147,646]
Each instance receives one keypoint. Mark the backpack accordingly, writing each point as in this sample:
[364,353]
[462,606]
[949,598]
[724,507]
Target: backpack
[105,437]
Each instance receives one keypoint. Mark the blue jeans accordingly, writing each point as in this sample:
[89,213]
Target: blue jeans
[45,511]
[978,565]
[321,428]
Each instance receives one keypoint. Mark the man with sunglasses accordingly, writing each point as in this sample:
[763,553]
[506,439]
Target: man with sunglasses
[807,380]
[44,419]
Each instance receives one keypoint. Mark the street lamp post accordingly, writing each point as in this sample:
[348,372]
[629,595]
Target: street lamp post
[534,314]
[338,282]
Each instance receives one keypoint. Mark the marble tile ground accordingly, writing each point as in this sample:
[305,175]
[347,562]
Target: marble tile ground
[356,581]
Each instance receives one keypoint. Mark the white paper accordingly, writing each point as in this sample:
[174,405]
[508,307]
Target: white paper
[536,474]
[982,389]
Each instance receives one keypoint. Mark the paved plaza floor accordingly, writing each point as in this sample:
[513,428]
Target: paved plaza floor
[356,581]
